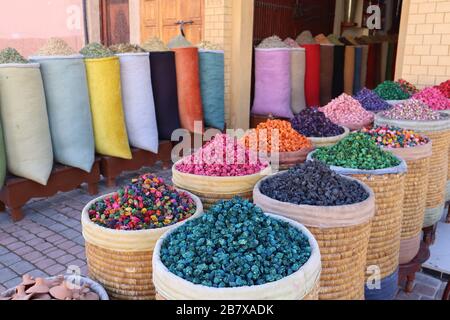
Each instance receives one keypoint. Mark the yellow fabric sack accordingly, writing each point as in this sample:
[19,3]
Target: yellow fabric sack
[111,138]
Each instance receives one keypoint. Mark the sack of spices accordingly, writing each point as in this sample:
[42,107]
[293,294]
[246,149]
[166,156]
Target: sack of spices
[138,101]
[298,70]
[103,76]
[64,76]
[24,116]
[212,84]
[273,79]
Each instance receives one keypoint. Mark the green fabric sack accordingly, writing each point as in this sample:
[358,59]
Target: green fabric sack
[69,111]
[24,118]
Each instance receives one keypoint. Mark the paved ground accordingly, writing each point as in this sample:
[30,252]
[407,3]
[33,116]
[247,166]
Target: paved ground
[49,240]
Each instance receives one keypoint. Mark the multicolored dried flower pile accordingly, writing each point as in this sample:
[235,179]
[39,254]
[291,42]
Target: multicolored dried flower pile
[411,109]
[390,137]
[146,203]
[407,87]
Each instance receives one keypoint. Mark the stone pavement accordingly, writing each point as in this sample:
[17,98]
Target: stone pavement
[48,240]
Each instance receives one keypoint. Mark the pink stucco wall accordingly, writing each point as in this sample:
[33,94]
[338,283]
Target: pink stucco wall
[27,24]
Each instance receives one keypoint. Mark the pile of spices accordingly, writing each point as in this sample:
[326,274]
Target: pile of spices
[313,123]
[314,184]
[357,151]
[154,45]
[348,112]
[146,203]
[390,137]
[433,98]
[272,42]
[207,45]
[305,37]
[444,87]
[411,109]
[126,48]
[390,90]
[11,55]
[234,245]
[371,101]
[408,87]
[224,156]
[291,43]
[96,50]
[289,140]
[179,42]
[56,47]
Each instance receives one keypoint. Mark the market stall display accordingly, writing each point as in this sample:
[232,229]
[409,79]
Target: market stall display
[279,142]
[23,109]
[121,230]
[222,169]
[67,96]
[273,79]
[56,288]
[407,87]
[416,150]
[392,92]
[360,157]
[348,112]
[212,84]
[276,258]
[414,115]
[337,210]
[314,125]
[137,97]
[298,69]
[164,83]
[105,94]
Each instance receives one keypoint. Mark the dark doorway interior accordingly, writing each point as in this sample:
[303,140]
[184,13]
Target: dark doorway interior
[115,21]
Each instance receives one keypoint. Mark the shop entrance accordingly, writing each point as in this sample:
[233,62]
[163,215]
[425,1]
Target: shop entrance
[115,21]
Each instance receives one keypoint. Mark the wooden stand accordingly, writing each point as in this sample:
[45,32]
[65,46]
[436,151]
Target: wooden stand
[18,191]
[429,235]
[112,167]
[408,270]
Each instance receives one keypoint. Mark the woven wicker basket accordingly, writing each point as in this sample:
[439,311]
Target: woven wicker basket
[213,189]
[416,187]
[328,142]
[384,243]
[343,236]
[439,133]
[409,248]
[301,285]
[121,260]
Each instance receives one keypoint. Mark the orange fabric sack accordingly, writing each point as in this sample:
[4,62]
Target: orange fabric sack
[188,82]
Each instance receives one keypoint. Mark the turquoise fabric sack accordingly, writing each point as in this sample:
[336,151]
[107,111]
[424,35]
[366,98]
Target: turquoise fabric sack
[68,110]
[212,83]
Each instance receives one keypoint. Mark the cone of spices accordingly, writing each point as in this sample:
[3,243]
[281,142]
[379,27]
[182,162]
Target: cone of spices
[337,210]
[416,150]
[128,223]
[360,157]
[278,140]
[237,252]
[415,115]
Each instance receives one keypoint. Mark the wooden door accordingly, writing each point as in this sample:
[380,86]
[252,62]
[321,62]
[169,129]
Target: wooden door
[159,18]
[115,17]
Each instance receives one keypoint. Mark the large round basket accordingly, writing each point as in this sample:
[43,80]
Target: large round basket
[416,187]
[301,285]
[330,141]
[388,186]
[439,133]
[121,260]
[213,189]
[78,281]
[343,236]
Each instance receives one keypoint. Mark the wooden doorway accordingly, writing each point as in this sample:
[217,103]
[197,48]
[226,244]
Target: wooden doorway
[115,21]
[159,19]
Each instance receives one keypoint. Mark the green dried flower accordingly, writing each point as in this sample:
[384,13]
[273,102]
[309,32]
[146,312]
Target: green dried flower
[11,55]
[96,50]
